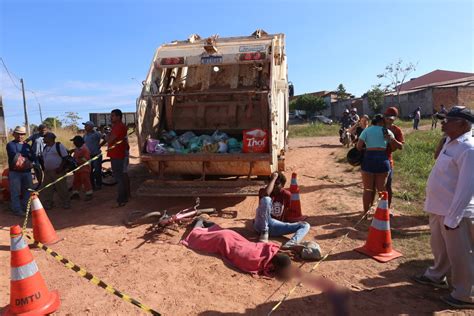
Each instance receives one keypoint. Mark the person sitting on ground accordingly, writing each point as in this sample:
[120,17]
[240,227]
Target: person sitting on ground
[375,165]
[53,157]
[247,256]
[273,206]
[82,178]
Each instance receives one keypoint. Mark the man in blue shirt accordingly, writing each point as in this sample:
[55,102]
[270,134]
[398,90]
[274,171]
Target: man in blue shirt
[93,141]
[19,163]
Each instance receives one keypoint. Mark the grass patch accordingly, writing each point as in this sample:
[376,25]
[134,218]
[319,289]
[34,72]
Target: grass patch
[413,164]
[407,123]
[312,130]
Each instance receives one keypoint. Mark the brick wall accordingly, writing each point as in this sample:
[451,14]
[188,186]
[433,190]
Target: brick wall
[466,96]
[446,96]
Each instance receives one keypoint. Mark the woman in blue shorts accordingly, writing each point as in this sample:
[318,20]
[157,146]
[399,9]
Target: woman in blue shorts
[375,165]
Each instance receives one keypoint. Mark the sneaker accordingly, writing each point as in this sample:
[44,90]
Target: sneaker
[75,196]
[448,299]
[88,197]
[288,245]
[422,279]
[263,237]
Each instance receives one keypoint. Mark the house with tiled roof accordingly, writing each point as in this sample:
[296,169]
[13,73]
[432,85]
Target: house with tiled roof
[430,91]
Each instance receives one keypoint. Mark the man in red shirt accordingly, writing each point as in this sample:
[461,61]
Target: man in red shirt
[117,150]
[390,115]
[271,211]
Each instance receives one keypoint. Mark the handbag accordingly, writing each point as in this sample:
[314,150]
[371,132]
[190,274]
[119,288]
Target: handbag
[20,163]
[69,163]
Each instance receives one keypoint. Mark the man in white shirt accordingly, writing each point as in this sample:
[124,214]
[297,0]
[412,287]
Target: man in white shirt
[53,169]
[450,204]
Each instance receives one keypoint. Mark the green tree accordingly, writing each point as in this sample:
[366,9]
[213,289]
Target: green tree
[341,92]
[310,104]
[375,97]
[396,74]
[71,120]
[50,122]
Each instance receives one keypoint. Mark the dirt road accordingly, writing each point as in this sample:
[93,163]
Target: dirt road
[157,270]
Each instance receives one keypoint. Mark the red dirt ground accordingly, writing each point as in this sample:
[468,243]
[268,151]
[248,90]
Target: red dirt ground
[158,271]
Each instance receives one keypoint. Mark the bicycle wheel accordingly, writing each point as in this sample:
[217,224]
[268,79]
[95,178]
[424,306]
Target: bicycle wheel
[38,176]
[138,218]
[107,175]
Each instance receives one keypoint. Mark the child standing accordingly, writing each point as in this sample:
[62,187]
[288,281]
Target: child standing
[81,176]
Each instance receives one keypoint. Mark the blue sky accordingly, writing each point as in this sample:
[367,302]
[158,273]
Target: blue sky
[89,56]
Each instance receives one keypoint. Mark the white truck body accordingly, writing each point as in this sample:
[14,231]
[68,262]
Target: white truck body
[202,85]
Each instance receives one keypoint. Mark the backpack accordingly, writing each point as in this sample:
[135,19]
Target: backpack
[69,163]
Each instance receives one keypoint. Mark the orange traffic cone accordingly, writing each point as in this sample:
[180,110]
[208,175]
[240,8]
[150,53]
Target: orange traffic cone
[294,214]
[28,292]
[43,230]
[379,240]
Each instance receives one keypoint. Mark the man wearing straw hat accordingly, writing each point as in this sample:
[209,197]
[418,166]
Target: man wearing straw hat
[19,163]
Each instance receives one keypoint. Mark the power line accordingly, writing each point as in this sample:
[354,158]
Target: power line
[9,75]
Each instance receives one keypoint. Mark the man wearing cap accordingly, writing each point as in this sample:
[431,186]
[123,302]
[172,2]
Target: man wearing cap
[390,115]
[19,177]
[93,139]
[37,143]
[53,157]
[450,204]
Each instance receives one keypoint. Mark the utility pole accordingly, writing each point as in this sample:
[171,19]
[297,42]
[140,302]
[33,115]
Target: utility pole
[41,114]
[24,108]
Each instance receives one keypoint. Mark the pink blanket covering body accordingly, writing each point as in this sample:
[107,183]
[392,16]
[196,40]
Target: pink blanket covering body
[235,249]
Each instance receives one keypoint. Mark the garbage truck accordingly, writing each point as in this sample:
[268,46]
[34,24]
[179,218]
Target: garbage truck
[236,87]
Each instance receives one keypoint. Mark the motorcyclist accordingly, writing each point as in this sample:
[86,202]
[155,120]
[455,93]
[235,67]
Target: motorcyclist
[354,117]
[346,122]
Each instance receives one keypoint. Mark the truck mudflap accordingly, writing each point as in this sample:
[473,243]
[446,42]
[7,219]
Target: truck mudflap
[155,187]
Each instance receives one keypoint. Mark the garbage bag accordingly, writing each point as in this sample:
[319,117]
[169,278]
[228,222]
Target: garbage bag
[206,139]
[210,148]
[234,146]
[151,145]
[184,139]
[218,136]
[168,137]
[177,145]
[160,149]
[194,144]
[222,147]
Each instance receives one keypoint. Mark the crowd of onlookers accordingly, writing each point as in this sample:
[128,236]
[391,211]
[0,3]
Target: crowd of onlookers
[42,151]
